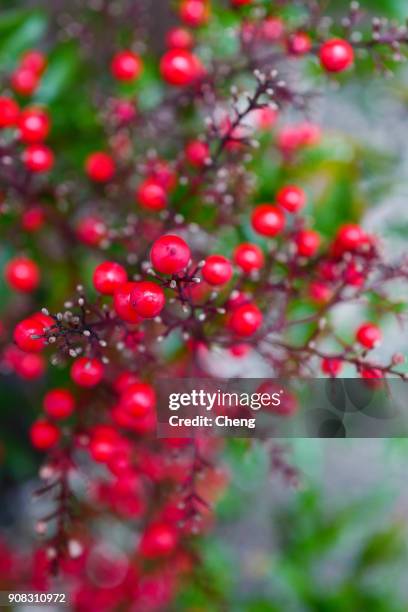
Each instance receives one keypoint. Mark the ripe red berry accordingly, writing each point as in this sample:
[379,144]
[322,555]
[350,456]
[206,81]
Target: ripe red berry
[46,321]
[34,125]
[320,292]
[147,299]
[34,60]
[122,303]
[27,335]
[91,230]
[179,38]
[180,67]
[246,320]
[299,43]
[100,167]
[249,257]
[371,373]
[38,158]
[170,254]
[30,366]
[217,270]
[104,443]
[124,380]
[349,238]
[331,366]
[307,243]
[9,112]
[336,55]
[22,274]
[138,399]
[197,152]
[59,403]
[268,220]
[126,66]
[108,277]
[291,198]
[194,13]
[272,29]
[25,81]
[158,540]
[87,372]
[151,195]
[33,218]
[369,335]
[44,435]
[241,2]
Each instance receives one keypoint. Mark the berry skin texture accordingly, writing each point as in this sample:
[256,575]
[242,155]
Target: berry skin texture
[369,335]
[179,38]
[151,195]
[44,435]
[22,274]
[108,277]
[170,254]
[268,220]
[336,55]
[24,81]
[138,399]
[291,198]
[299,44]
[147,299]
[217,270]
[38,158]
[331,366]
[9,112]
[126,66]
[194,13]
[59,403]
[249,257]
[307,243]
[91,230]
[246,320]
[122,303]
[180,67]
[25,334]
[100,167]
[33,125]
[158,540]
[87,372]
[197,152]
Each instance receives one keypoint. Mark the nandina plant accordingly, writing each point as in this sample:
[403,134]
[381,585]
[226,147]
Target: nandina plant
[175,237]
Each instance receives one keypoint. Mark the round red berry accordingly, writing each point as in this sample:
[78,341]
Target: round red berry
[38,158]
[124,380]
[108,277]
[217,270]
[138,399]
[147,299]
[105,442]
[331,366]
[307,243]
[369,335]
[291,198]
[22,274]
[349,238]
[158,540]
[46,321]
[25,81]
[30,366]
[249,257]
[320,292]
[100,167]
[126,66]
[87,372]
[268,220]
[180,67]
[371,373]
[59,403]
[92,230]
[272,29]
[299,43]
[336,55]
[170,254]
[197,152]
[9,112]
[123,305]
[194,13]
[33,125]
[44,435]
[246,320]
[179,38]
[34,60]
[151,195]
[33,218]
[28,335]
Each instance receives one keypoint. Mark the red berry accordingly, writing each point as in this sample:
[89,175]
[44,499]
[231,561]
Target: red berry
[38,158]
[34,125]
[197,152]
[371,373]
[44,435]
[30,366]
[268,220]
[299,43]
[307,243]
[34,60]
[124,380]
[194,13]
[272,29]
[320,292]
[163,173]
[138,399]
[349,238]
[59,403]
[122,303]
[158,540]
[92,230]
[369,335]
[46,321]
[105,442]
[100,167]
[151,195]
[27,335]
[179,38]
[179,67]
[331,366]
[241,2]
[336,55]
[217,270]
[123,110]
[170,254]
[33,218]
[9,112]
[246,320]
[24,81]
[249,257]
[22,274]
[291,198]
[87,372]
[108,277]
[147,299]
[126,66]
[265,117]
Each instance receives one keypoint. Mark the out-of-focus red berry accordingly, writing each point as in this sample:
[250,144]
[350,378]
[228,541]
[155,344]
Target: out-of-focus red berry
[331,366]
[100,167]
[138,399]
[9,112]
[38,158]
[246,320]
[179,38]
[151,195]
[336,55]
[194,13]
[25,81]
[44,435]
[307,243]
[34,60]
[22,274]
[292,198]
[126,66]
[369,335]
[87,372]
[180,67]
[299,43]
[33,218]
[27,335]
[268,220]
[91,230]
[59,403]
[34,125]
[197,152]
[249,257]
[158,540]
